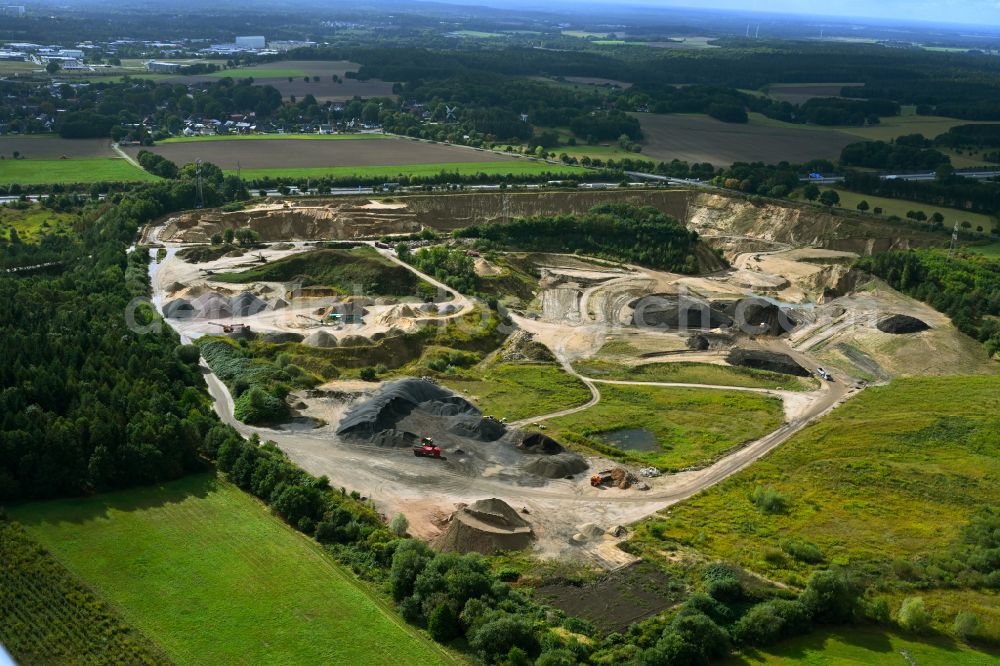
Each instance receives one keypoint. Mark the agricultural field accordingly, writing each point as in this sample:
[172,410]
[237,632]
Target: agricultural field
[694,373]
[519,390]
[678,427]
[211,576]
[278,155]
[901,207]
[85,170]
[864,645]
[881,485]
[48,616]
[273,137]
[798,93]
[325,89]
[699,138]
[52,147]
[33,222]
[50,159]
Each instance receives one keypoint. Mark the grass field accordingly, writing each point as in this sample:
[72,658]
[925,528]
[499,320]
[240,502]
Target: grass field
[209,574]
[691,426]
[864,645]
[279,137]
[34,222]
[991,250]
[695,373]
[901,207]
[891,476]
[393,172]
[48,616]
[87,170]
[520,390]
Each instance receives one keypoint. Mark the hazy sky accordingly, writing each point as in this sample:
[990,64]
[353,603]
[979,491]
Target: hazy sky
[981,12]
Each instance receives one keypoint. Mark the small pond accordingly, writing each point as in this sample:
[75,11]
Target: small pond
[633,439]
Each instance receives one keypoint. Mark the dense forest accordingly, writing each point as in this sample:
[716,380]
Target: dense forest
[966,287]
[616,232]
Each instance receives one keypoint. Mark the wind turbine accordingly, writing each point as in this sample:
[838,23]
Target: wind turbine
[449,112]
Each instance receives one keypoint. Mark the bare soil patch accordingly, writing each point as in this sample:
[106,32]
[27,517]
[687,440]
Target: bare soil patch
[617,600]
[304,153]
[54,148]
[703,139]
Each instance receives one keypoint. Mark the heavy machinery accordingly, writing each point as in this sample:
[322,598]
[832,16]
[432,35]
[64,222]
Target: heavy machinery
[314,320]
[601,478]
[229,328]
[427,449]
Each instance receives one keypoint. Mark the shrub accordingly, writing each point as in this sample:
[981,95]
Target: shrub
[767,622]
[913,615]
[829,597]
[803,551]
[769,500]
[187,353]
[443,623]
[497,637]
[367,374]
[508,575]
[399,525]
[967,625]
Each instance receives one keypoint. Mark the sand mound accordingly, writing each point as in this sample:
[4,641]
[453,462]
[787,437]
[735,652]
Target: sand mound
[174,287]
[394,439]
[901,323]
[394,314]
[486,526]
[321,339]
[394,401]
[180,308]
[447,309]
[766,360]
[698,343]
[557,466]
[536,442]
[428,308]
[354,341]
[479,429]
[281,337]
[756,316]
[279,304]
[674,312]
[212,305]
[246,304]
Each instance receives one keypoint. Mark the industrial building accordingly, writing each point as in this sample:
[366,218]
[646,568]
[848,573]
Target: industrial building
[251,42]
[166,67]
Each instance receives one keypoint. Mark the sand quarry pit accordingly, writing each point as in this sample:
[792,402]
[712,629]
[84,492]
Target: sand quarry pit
[580,305]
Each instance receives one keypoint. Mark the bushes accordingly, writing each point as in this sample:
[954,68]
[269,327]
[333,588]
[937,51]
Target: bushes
[498,637]
[769,500]
[966,625]
[770,621]
[913,616]
[616,232]
[803,551]
[256,405]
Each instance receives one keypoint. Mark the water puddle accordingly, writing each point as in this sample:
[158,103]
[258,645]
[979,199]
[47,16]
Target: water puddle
[633,439]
